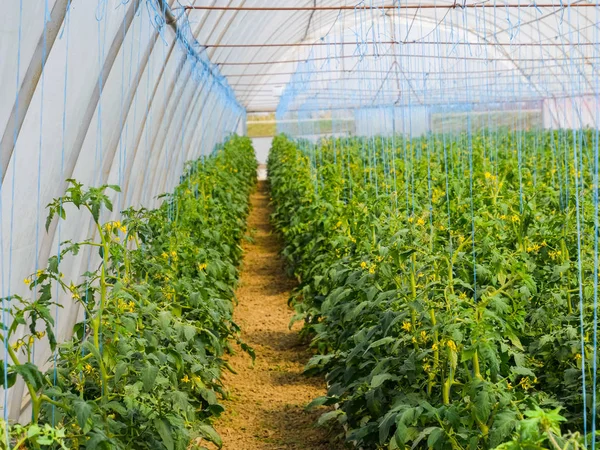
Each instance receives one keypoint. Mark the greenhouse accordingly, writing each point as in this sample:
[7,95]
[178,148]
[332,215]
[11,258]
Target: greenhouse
[302,224]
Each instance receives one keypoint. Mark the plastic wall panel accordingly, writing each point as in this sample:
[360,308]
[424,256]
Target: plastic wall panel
[17,57]
[120,101]
[413,121]
[571,113]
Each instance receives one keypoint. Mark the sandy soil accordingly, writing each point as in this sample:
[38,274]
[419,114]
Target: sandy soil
[266,408]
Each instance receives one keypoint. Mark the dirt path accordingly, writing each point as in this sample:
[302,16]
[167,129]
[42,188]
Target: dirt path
[266,409]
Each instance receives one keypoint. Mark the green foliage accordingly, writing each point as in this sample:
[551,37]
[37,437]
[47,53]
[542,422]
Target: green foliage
[143,370]
[428,337]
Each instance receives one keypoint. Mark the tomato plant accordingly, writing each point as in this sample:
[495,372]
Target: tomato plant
[143,368]
[439,282]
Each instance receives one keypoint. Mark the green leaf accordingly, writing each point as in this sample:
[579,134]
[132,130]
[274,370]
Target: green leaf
[120,370]
[518,370]
[482,405]
[30,374]
[53,264]
[434,437]
[321,401]
[210,434]
[331,415]
[189,331]
[11,377]
[422,435]
[83,411]
[378,380]
[380,342]
[164,430]
[385,425]
[33,430]
[504,424]
[148,377]
[89,346]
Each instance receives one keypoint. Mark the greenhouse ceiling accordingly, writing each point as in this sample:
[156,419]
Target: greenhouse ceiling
[336,54]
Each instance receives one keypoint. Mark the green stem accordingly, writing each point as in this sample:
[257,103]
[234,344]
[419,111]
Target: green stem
[476,368]
[436,353]
[97,320]
[35,400]
[565,258]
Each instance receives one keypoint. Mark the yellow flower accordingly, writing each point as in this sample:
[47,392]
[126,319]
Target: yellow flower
[462,296]
[411,219]
[40,334]
[555,255]
[525,383]
[185,379]
[424,335]
[124,229]
[488,175]
[451,345]
[164,255]
[407,326]
[74,292]
[174,254]
[372,269]
[88,368]
[363,265]
[515,218]
[435,346]
[202,266]
[421,221]
[27,281]
[578,356]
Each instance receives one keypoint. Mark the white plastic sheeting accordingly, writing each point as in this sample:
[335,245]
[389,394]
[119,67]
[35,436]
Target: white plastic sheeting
[387,121]
[573,112]
[104,92]
[415,54]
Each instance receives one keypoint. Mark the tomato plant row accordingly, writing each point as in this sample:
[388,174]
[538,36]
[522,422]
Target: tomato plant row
[143,369]
[447,284]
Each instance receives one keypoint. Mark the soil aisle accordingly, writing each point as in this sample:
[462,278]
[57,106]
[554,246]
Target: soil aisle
[266,409]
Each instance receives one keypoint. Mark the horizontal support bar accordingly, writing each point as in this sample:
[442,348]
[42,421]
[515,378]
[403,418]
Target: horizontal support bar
[392,55]
[455,5]
[403,72]
[323,44]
